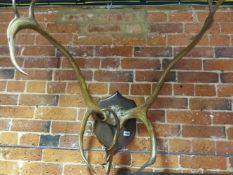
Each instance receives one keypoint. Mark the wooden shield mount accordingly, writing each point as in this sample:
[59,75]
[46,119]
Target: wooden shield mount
[105,131]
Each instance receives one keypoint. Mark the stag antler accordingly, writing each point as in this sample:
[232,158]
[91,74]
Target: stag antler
[20,23]
[140,112]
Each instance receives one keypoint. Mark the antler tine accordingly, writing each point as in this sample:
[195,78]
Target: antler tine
[15,8]
[31,9]
[207,24]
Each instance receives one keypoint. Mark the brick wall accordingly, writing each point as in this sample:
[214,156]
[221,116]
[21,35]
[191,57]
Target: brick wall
[125,50]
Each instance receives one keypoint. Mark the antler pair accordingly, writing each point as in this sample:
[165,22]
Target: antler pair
[93,109]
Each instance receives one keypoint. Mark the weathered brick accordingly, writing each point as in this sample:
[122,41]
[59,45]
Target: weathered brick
[225,90]
[41,169]
[223,118]
[62,28]
[130,63]
[179,145]
[35,75]
[65,127]
[121,87]
[49,140]
[129,40]
[156,40]
[177,16]
[157,17]
[8,138]
[3,86]
[140,89]
[6,62]
[184,89]
[226,77]
[114,51]
[139,144]
[56,155]
[224,147]
[167,28]
[15,86]
[176,103]
[30,126]
[189,117]
[38,51]
[219,40]
[36,87]
[16,112]
[56,113]
[30,139]
[203,131]
[223,52]
[223,65]
[110,63]
[7,74]
[206,162]
[98,88]
[153,76]
[113,76]
[38,100]
[82,51]
[69,141]
[65,75]
[203,146]
[112,28]
[8,167]
[230,134]
[29,154]
[185,64]
[38,62]
[210,104]
[83,63]
[123,158]
[4,124]
[93,40]
[197,77]
[206,52]
[71,101]
[8,99]
[73,88]
[152,51]
[205,90]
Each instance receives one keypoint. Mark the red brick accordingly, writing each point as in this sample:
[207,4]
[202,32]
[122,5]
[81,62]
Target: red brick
[71,101]
[62,28]
[161,130]
[113,76]
[93,40]
[156,115]
[129,40]
[91,142]
[110,63]
[70,75]
[185,64]
[178,16]
[82,63]
[167,28]
[15,86]
[16,112]
[30,126]
[123,158]
[56,87]
[225,90]
[157,17]
[41,100]
[205,90]
[179,39]
[98,88]
[35,75]
[140,89]
[203,146]
[38,51]
[73,88]
[179,145]
[230,134]
[226,77]
[2,86]
[219,40]
[209,104]
[184,89]
[139,144]
[218,65]
[205,162]
[114,51]
[226,27]
[38,62]
[223,147]
[29,154]
[130,63]
[165,90]
[153,76]
[121,87]
[65,127]
[23,39]
[189,117]
[8,99]
[156,40]
[104,29]
[152,51]
[178,103]
[81,51]
[206,52]
[197,77]
[223,118]
[36,86]
[203,131]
